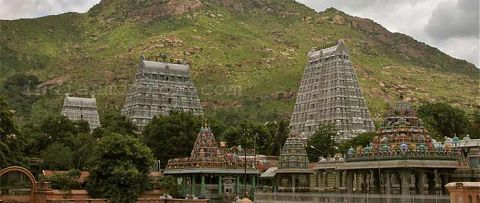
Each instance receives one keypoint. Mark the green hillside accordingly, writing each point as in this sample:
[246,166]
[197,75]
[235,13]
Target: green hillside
[247,56]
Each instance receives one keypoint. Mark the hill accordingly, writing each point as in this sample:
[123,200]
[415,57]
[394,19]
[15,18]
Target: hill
[247,56]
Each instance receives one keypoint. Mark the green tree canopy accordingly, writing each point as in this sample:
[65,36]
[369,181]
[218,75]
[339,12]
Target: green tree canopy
[363,139]
[57,156]
[59,128]
[19,92]
[82,145]
[442,120]
[269,136]
[54,129]
[113,121]
[323,142]
[12,141]
[278,135]
[474,130]
[119,168]
[172,136]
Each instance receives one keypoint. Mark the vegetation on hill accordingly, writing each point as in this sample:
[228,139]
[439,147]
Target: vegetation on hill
[247,56]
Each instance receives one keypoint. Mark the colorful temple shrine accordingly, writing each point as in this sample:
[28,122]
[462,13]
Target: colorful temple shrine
[213,173]
[402,159]
[293,171]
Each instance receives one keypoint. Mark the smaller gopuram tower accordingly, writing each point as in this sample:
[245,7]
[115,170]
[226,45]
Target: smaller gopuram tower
[213,173]
[329,94]
[159,88]
[293,154]
[78,109]
[205,145]
[293,171]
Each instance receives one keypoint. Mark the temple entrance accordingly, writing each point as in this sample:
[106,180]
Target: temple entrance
[228,185]
[17,184]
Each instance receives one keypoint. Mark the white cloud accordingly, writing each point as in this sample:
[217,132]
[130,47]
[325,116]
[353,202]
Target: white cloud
[449,25]
[15,9]
[452,19]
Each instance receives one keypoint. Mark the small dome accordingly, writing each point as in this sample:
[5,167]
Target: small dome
[402,108]
[351,151]
[456,139]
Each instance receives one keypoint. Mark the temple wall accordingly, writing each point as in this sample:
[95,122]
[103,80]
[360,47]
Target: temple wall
[460,192]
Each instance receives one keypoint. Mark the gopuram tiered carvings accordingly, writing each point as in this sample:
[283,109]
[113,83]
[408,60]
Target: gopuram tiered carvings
[81,109]
[159,88]
[329,94]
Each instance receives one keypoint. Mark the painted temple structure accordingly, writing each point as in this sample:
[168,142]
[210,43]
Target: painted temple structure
[159,88]
[81,109]
[212,172]
[329,94]
[292,170]
[403,159]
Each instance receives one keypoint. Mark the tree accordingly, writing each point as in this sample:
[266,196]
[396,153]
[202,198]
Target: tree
[442,120]
[18,89]
[474,130]
[323,142]
[59,128]
[363,139]
[172,136]
[119,168]
[57,156]
[167,184]
[12,141]
[82,146]
[113,121]
[253,132]
[65,181]
[54,129]
[279,133]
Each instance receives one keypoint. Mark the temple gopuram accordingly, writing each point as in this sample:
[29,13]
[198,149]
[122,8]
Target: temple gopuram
[402,159]
[293,171]
[329,94]
[212,172]
[159,88]
[81,109]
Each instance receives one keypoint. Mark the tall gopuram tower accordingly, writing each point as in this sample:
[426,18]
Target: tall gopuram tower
[329,94]
[78,109]
[160,87]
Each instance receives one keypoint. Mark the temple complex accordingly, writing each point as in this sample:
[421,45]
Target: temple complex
[81,109]
[402,159]
[214,173]
[159,88]
[329,94]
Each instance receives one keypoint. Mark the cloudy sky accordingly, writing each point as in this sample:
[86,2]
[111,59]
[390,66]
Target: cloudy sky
[450,25]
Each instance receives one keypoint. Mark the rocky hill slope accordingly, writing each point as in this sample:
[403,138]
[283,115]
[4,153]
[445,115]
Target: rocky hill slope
[247,56]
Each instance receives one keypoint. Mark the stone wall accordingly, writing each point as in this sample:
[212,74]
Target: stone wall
[43,194]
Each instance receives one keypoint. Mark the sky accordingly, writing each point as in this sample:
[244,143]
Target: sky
[449,25]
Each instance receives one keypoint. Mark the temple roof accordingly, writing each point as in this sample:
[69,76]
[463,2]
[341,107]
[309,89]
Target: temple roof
[402,108]
[293,154]
[80,102]
[205,145]
[340,47]
[162,67]
[207,158]
[403,137]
